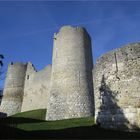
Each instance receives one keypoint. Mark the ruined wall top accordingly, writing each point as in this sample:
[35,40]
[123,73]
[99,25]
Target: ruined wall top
[65,29]
[130,51]
[17,64]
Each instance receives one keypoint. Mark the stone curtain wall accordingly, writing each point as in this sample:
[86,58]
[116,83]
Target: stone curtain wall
[71,91]
[117,88]
[25,89]
[36,88]
[66,87]
[13,89]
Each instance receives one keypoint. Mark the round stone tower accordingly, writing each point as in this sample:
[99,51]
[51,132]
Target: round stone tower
[117,88]
[13,89]
[71,89]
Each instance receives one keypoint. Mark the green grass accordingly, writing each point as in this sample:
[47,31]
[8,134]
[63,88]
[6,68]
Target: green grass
[35,120]
[57,125]
[34,126]
[39,114]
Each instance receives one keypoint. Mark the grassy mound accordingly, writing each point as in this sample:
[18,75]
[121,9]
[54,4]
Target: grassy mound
[39,114]
[35,121]
[57,125]
[31,124]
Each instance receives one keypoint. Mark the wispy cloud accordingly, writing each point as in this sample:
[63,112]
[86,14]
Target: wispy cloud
[18,35]
[48,16]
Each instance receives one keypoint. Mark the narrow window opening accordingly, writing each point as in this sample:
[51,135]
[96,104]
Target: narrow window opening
[27,76]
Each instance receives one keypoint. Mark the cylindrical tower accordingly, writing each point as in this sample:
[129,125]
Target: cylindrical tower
[71,89]
[13,89]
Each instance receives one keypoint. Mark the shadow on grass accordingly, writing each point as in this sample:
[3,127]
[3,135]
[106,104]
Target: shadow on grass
[3,115]
[72,133]
[18,120]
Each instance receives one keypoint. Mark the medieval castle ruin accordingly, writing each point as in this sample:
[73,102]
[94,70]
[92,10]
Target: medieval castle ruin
[71,87]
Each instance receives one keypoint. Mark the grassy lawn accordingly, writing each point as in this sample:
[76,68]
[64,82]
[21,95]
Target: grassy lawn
[31,124]
[35,120]
[39,114]
[57,125]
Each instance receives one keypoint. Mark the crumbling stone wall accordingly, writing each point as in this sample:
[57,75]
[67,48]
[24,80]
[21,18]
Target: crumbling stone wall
[36,89]
[117,88]
[13,89]
[25,88]
[66,87]
[71,88]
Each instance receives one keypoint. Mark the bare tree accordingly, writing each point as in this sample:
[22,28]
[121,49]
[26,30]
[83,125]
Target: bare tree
[1,65]
[1,58]
[1,72]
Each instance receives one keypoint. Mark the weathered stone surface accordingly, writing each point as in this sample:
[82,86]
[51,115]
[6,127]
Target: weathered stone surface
[117,88]
[25,88]
[13,89]
[66,87]
[36,89]
[71,90]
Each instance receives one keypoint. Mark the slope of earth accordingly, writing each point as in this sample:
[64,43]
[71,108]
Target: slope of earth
[32,124]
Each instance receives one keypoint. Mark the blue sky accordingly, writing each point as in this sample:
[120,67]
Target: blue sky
[27,28]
